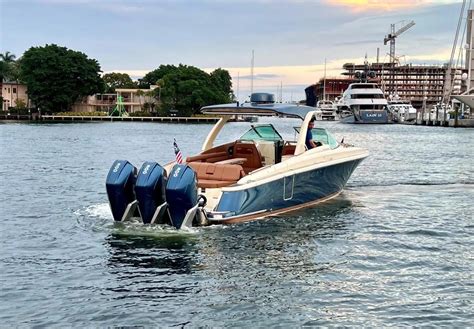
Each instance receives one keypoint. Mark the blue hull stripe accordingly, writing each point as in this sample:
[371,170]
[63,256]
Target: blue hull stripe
[289,191]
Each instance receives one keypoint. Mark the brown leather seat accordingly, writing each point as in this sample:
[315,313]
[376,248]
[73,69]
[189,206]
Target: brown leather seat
[250,152]
[288,149]
[208,157]
[212,175]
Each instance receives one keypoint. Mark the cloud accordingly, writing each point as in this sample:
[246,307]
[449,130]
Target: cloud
[116,6]
[260,76]
[383,5]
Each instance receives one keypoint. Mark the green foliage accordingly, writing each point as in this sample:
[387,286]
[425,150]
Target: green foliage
[8,67]
[57,77]
[117,80]
[186,88]
[82,114]
[153,77]
[20,104]
[141,114]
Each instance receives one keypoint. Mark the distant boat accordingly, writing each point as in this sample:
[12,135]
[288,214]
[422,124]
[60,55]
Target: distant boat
[244,118]
[402,110]
[326,110]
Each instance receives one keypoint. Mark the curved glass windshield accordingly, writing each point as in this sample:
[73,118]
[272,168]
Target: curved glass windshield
[262,132]
[324,137]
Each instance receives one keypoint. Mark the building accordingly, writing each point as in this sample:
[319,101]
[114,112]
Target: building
[410,82]
[329,89]
[14,94]
[133,100]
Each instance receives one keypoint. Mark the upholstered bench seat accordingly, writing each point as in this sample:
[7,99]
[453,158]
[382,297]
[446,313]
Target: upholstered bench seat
[212,175]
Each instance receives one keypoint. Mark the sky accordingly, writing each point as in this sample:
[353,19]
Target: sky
[291,39]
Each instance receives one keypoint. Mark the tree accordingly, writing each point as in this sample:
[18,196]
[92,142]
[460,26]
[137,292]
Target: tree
[117,80]
[187,88]
[8,67]
[152,78]
[57,77]
[223,82]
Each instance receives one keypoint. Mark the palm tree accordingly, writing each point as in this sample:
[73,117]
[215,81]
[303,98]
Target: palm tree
[7,57]
[9,70]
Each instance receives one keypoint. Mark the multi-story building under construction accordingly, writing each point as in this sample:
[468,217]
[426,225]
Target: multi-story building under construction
[408,82]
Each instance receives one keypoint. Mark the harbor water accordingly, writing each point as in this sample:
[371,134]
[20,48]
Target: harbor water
[395,248]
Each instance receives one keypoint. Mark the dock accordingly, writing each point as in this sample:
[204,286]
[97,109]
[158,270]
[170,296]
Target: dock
[442,119]
[70,118]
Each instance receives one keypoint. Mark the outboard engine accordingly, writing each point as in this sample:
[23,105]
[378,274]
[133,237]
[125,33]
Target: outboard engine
[181,195]
[150,191]
[119,184]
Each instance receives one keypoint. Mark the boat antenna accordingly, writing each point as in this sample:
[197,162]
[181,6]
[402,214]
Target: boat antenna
[251,72]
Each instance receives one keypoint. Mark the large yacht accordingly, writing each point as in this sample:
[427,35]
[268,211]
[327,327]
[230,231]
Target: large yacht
[364,102]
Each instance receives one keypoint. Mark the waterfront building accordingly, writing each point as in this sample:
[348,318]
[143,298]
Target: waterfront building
[134,100]
[13,94]
[411,82]
[408,82]
[331,89]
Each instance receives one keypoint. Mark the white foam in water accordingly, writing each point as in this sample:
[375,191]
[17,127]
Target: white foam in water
[101,210]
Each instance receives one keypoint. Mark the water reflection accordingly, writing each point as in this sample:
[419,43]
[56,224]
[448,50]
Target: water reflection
[167,254]
[149,267]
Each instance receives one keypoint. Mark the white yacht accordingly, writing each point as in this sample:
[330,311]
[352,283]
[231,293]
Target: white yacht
[326,110]
[402,110]
[364,102]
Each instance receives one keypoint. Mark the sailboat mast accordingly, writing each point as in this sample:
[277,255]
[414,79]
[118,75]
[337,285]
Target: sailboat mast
[324,84]
[251,72]
[238,86]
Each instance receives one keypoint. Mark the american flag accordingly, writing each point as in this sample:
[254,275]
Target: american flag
[177,152]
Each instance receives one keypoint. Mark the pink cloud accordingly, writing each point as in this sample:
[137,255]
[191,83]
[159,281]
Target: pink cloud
[384,5]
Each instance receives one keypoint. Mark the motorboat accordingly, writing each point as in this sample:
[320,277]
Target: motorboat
[364,102]
[260,174]
[402,110]
[325,110]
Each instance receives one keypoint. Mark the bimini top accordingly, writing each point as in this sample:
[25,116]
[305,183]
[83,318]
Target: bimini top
[259,108]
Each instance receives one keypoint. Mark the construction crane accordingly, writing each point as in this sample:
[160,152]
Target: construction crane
[391,37]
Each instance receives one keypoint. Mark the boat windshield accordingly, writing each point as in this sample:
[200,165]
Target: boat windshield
[323,136]
[262,132]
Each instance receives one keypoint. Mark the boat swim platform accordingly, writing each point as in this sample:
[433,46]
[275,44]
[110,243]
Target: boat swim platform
[71,118]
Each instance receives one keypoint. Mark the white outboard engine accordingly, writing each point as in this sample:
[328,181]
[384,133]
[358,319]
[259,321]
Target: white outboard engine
[150,190]
[120,190]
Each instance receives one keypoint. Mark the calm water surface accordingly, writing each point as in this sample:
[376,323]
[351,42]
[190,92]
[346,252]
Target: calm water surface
[395,248]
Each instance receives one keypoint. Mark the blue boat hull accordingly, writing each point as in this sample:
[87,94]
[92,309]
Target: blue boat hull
[289,192]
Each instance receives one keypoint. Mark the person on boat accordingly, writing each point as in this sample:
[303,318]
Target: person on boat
[310,144]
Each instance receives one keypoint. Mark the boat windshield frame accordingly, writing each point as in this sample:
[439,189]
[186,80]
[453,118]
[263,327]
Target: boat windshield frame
[226,116]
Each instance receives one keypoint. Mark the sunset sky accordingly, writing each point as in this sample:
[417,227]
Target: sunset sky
[291,38]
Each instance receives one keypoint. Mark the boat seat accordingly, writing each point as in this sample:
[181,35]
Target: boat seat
[288,149]
[208,157]
[249,151]
[212,175]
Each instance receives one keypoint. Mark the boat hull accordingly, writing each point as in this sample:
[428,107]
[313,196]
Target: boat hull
[289,193]
[368,117]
